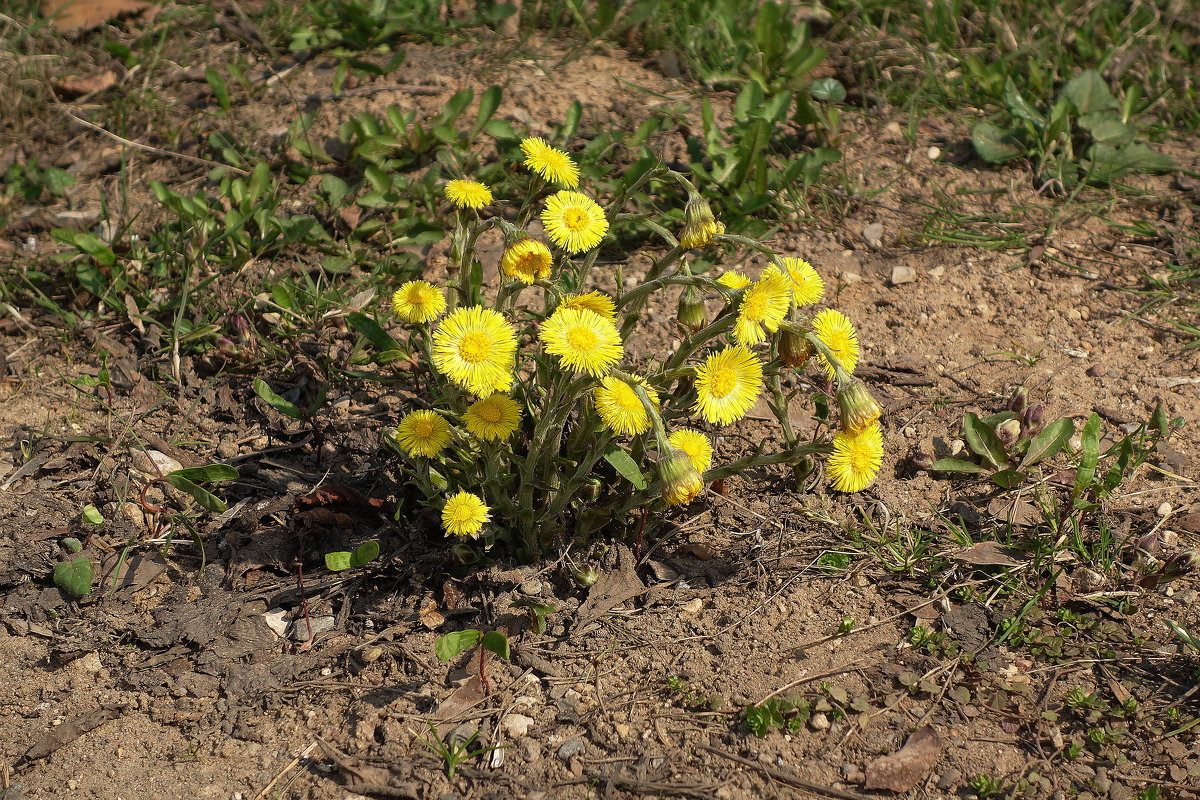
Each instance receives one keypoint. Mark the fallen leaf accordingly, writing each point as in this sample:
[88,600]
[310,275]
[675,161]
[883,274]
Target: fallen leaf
[71,730]
[613,588]
[1014,512]
[76,16]
[430,617]
[904,769]
[451,710]
[991,554]
[332,493]
[76,86]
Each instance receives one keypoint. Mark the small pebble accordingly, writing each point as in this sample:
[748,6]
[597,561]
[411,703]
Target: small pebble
[902,275]
[873,236]
[1165,509]
[1096,371]
[934,153]
[819,722]
[851,277]
[516,725]
[570,748]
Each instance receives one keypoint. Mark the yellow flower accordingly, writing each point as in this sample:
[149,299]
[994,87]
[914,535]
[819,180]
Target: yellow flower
[551,163]
[526,259]
[476,349]
[727,384]
[468,194]
[764,305]
[697,446]
[599,302]
[419,301]
[620,408]
[858,408]
[464,515]
[583,340]
[699,224]
[681,481]
[492,418]
[856,458]
[837,332]
[732,279]
[807,286]
[573,221]
[423,433]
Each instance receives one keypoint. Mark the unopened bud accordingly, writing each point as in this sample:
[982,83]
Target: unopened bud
[1019,400]
[680,480]
[803,468]
[586,577]
[590,490]
[794,349]
[699,224]
[921,460]
[692,314]
[240,325]
[1149,543]
[1031,420]
[858,408]
[1008,431]
[1180,564]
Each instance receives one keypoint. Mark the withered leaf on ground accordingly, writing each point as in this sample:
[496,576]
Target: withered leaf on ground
[991,554]
[71,730]
[75,16]
[332,493]
[75,86]
[429,615]
[904,769]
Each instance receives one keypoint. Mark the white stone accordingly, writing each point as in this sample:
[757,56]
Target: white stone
[516,725]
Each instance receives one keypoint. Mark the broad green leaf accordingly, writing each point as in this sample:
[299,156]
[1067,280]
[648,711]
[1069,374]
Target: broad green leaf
[1007,478]
[87,243]
[496,642]
[995,144]
[488,104]
[1106,127]
[1048,442]
[276,402]
[1107,163]
[92,516]
[208,473]
[451,644]
[1018,106]
[623,463]
[335,189]
[1088,92]
[958,465]
[983,441]
[829,90]
[1089,456]
[338,561]
[205,498]
[1158,421]
[372,330]
[75,576]
[366,553]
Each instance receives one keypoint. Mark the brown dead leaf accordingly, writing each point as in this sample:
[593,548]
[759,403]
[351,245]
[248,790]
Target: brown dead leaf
[991,554]
[76,16]
[71,730]
[453,597]
[430,617]
[451,710]
[1014,512]
[76,86]
[904,769]
[332,493]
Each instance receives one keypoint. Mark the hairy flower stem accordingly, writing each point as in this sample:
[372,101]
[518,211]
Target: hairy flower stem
[657,270]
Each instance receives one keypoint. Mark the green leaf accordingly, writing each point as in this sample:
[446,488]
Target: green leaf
[217,84]
[1048,442]
[338,561]
[451,644]
[1090,455]
[623,463]
[1018,106]
[208,473]
[1007,478]
[335,189]
[1106,127]
[1088,92]
[1107,163]
[276,402]
[540,612]
[1122,455]
[75,576]
[995,144]
[570,124]
[829,90]
[87,243]
[372,330]
[958,465]
[983,441]
[496,642]
[205,498]
[92,516]
[488,104]
[366,553]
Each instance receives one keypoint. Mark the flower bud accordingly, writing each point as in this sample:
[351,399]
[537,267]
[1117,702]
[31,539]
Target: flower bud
[692,314]
[921,460]
[699,224]
[1019,400]
[586,577]
[680,481]
[1008,431]
[240,325]
[794,349]
[802,470]
[858,408]
[1180,564]
[1031,420]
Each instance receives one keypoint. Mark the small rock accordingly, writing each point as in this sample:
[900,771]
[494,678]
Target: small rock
[516,725]
[89,663]
[570,748]
[892,132]
[819,722]
[692,607]
[873,236]
[530,587]
[851,277]
[668,64]
[622,730]
[319,625]
[133,512]
[1164,509]
[277,621]
[1096,371]
[1087,580]
[851,773]
[934,153]
[153,464]
[227,450]
[937,271]
[901,275]
[950,780]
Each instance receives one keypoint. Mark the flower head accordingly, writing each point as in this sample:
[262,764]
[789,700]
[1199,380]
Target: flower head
[464,514]
[699,224]
[856,458]
[527,260]
[551,163]
[807,286]
[419,301]
[732,279]
[859,409]
[583,340]
[492,418]
[727,384]
[468,194]
[697,446]
[681,482]
[423,433]
[764,305]
[475,348]
[692,314]
[573,221]
[620,407]
[599,302]
[836,331]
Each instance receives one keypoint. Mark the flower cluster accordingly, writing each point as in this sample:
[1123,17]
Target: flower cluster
[534,419]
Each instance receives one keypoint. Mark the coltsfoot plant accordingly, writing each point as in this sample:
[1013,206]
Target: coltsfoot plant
[531,425]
